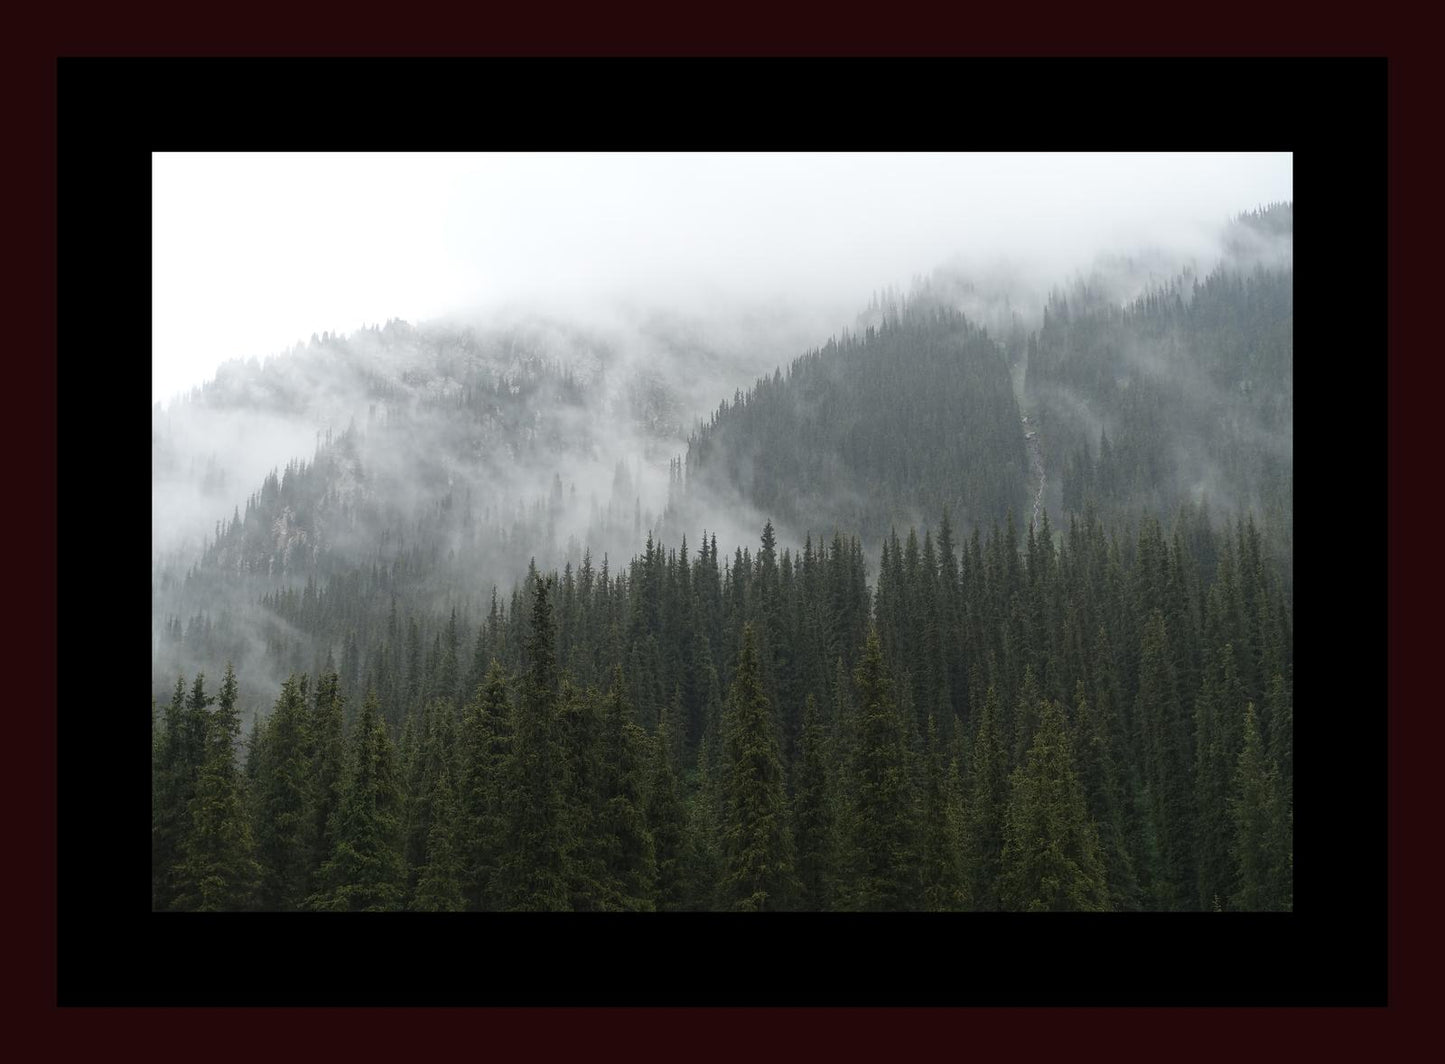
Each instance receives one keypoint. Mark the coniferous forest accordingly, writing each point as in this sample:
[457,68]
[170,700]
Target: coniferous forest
[956,612]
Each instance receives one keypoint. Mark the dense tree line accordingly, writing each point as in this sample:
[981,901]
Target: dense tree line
[1096,719]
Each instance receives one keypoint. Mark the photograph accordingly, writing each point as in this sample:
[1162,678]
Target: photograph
[722,531]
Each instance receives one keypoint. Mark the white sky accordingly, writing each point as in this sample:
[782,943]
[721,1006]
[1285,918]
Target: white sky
[255,251]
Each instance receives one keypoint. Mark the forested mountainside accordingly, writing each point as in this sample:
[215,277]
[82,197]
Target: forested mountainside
[1105,725]
[498,689]
[915,416]
[457,456]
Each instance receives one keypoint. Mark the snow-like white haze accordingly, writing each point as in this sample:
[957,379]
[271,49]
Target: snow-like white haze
[663,283]
[253,252]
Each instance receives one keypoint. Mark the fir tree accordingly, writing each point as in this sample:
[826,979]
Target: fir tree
[629,854]
[485,742]
[758,852]
[883,851]
[1263,850]
[439,887]
[941,843]
[1051,859]
[282,797]
[987,807]
[813,815]
[667,823]
[218,869]
[366,872]
[534,857]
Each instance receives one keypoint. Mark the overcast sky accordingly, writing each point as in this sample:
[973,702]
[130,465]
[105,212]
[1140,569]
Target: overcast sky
[253,252]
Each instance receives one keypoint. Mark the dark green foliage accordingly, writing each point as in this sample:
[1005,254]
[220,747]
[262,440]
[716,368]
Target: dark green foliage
[328,766]
[1166,768]
[1051,860]
[366,872]
[485,742]
[439,887]
[813,819]
[627,844]
[218,869]
[883,853]
[533,869]
[281,798]
[1263,829]
[987,807]
[667,823]
[941,846]
[757,872]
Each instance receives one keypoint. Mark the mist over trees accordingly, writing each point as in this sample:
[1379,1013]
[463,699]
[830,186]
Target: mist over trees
[985,603]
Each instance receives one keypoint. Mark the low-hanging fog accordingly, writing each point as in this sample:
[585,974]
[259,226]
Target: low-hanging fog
[510,342]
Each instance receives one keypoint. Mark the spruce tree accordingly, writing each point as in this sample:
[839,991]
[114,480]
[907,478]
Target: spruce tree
[282,798]
[366,872]
[439,886]
[1263,849]
[533,870]
[757,872]
[987,807]
[813,818]
[667,823]
[172,785]
[1051,860]
[941,843]
[485,742]
[628,850]
[328,766]
[883,853]
[1166,769]
[218,869]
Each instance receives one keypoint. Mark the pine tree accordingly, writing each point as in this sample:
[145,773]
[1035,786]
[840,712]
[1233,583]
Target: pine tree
[630,860]
[1263,850]
[172,786]
[218,869]
[328,766]
[282,797]
[533,872]
[1167,774]
[813,815]
[366,872]
[987,807]
[485,743]
[667,823]
[883,851]
[1051,860]
[439,887]
[758,853]
[941,844]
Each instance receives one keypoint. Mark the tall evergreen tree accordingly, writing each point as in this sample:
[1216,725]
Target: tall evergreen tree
[883,851]
[485,745]
[1051,859]
[813,818]
[628,848]
[218,869]
[758,856]
[987,807]
[366,872]
[439,887]
[282,798]
[940,828]
[667,823]
[1263,849]
[534,862]
[328,766]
